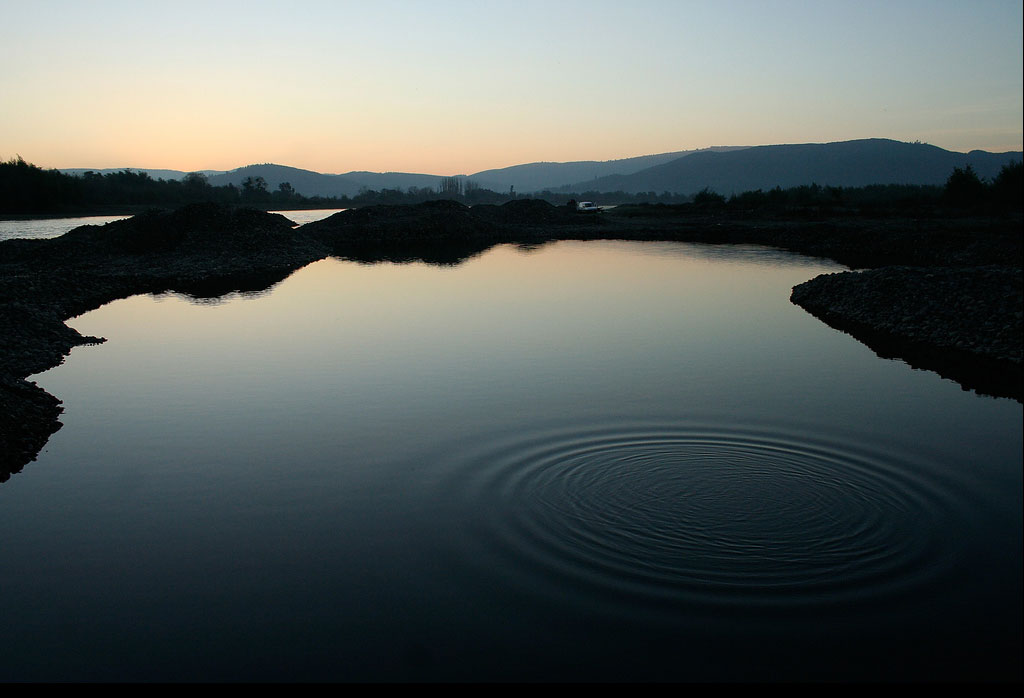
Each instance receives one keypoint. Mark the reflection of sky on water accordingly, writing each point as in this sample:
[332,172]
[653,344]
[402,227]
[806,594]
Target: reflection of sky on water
[322,451]
[604,326]
[308,215]
[54,227]
[512,319]
[48,227]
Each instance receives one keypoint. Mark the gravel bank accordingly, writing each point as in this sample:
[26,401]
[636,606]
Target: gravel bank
[964,323]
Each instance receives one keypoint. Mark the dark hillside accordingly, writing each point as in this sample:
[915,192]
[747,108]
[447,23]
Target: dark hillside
[309,183]
[845,164]
[537,176]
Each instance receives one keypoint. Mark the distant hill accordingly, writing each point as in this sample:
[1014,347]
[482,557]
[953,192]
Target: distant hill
[155,174]
[538,176]
[724,169]
[309,183]
[846,163]
[392,180]
[305,182]
[526,178]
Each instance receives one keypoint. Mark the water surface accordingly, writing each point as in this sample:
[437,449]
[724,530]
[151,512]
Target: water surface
[584,461]
[41,228]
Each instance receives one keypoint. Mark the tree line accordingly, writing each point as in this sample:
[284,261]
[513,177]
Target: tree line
[28,189]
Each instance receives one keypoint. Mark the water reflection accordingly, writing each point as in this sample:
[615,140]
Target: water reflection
[43,228]
[592,461]
[217,291]
[303,216]
[715,517]
[441,255]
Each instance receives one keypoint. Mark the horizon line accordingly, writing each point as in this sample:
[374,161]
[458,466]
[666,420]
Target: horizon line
[518,164]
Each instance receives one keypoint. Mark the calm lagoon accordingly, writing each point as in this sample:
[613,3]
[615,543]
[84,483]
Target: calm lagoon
[578,461]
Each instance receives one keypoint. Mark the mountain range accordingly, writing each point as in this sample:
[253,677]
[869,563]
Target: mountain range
[843,164]
[726,170]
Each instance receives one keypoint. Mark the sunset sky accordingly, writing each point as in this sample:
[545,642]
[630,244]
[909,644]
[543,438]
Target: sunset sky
[447,87]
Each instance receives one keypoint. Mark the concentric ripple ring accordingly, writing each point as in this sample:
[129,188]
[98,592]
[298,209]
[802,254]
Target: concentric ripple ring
[708,514]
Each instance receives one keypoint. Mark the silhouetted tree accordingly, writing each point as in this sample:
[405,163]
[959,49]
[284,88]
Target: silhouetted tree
[1008,186]
[196,180]
[964,187]
[418,195]
[254,190]
[26,188]
[196,187]
[707,197]
[451,187]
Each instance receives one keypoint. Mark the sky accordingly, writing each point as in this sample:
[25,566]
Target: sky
[455,87]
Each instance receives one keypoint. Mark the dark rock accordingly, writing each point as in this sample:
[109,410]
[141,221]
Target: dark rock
[963,323]
[530,212]
[28,417]
[433,220]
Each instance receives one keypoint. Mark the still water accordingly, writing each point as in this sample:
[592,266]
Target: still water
[579,461]
[42,228]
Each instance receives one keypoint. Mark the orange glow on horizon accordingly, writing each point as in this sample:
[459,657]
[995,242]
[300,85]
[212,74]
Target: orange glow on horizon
[456,88]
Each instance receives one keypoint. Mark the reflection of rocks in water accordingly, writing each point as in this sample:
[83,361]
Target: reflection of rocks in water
[443,254]
[984,376]
[28,417]
[203,250]
[964,324]
[208,250]
[211,291]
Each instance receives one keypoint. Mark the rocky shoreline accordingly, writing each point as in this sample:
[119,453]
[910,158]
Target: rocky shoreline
[949,291]
[204,250]
[963,323]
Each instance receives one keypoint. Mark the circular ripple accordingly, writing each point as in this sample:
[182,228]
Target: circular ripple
[693,513]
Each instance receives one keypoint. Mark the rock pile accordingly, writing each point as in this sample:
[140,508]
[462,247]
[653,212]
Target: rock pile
[962,322]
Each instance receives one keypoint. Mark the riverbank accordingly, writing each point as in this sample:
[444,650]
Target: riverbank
[208,250]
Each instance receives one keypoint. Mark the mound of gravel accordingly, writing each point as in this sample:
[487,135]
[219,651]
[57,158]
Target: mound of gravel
[977,310]
[433,220]
[194,228]
[530,212]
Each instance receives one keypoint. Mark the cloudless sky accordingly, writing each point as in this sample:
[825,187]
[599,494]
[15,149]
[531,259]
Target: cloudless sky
[447,87]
